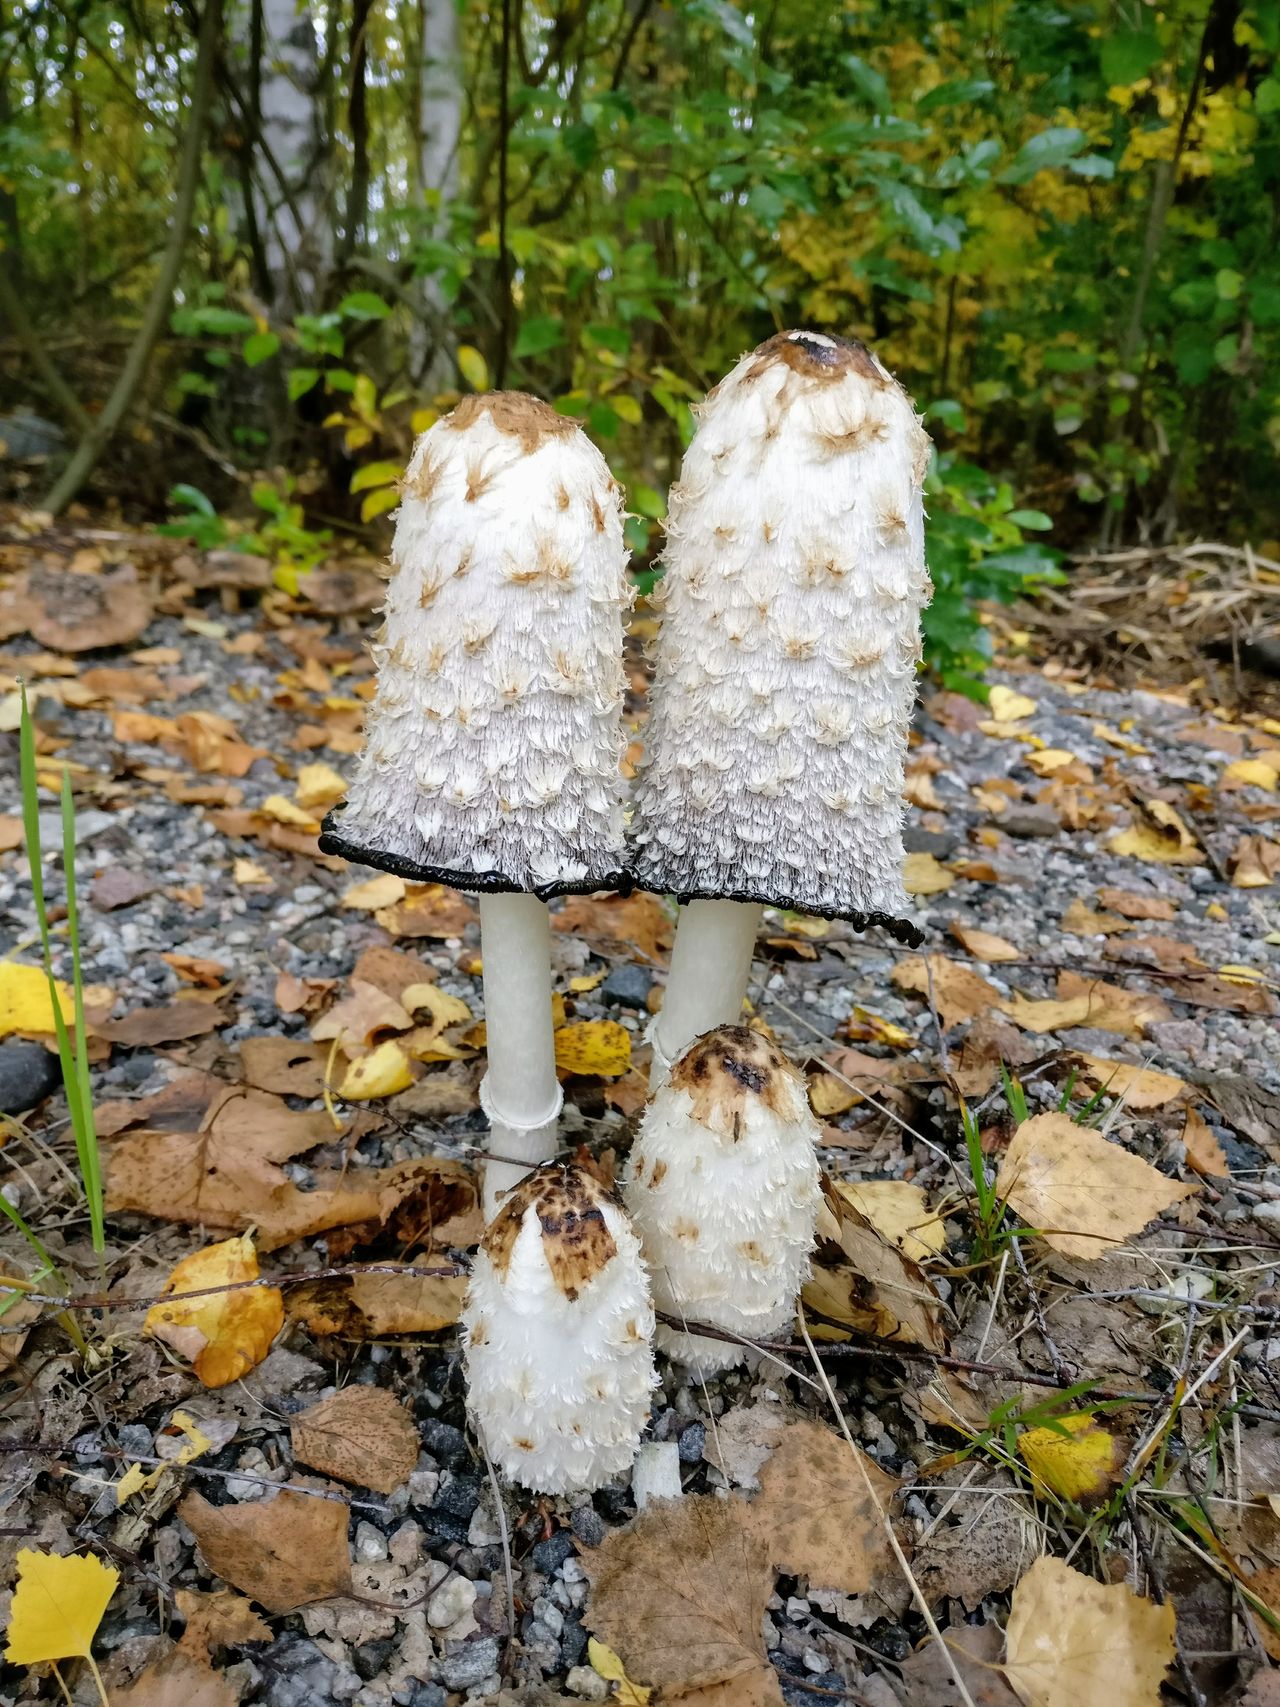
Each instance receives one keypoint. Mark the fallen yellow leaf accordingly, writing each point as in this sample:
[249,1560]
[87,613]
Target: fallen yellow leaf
[136,1480]
[1049,759]
[1083,1195]
[1114,739]
[983,945]
[596,1046]
[246,872]
[286,811]
[25,1001]
[319,787]
[1141,1087]
[606,1664]
[863,1026]
[1253,773]
[923,875]
[225,1333]
[1071,1640]
[1204,1153]
[1008,706]
[899,1212]
[57,1606]
[1159,835]
[381,1073]
[444,1010]
[1076,1458]
[384,890]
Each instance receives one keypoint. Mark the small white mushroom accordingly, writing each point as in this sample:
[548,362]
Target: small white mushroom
[559,1328]
[722,1187]
[785,667]
[479,769]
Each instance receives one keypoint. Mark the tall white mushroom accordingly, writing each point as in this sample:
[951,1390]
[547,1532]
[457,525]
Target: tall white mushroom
[722,1187]
[559,1325]
[494,739]
[785,666]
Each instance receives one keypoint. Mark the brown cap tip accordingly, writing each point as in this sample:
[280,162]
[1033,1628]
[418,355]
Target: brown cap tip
[569,1205]
[728,1070]
[525,418]
[818,355]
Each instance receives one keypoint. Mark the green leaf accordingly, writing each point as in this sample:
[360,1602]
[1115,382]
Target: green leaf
[1051,148]
[375,474]
[955,93]
[1036,520]
[1193,355]
[192,499]
[376,503]
[544,332]
[614,338]
[646,500]
[868,82]
[259,347]
[211,322]
[1128,55]
[300,381]
[948,412]
[473,367]
[627,407]
[364,305]
[1228,283]
[1266,97]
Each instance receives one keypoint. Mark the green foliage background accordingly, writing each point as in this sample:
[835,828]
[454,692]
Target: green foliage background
[1056,220]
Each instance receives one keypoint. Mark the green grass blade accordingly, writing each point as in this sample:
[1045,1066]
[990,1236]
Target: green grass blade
[85,1132]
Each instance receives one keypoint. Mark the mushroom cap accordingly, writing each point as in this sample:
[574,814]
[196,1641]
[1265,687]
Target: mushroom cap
[559,1325]
[494,739]
[723,1188]
[786,661]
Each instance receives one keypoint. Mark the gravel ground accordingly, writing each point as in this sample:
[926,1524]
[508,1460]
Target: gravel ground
[438,1534]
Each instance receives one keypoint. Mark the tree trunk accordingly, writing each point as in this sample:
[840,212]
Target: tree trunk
[357,214]
[439,128]
[296,235]
[156,312]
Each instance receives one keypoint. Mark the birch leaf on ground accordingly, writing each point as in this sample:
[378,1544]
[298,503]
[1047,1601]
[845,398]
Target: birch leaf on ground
[1083,1194]
[819,1516]
[1071,1640]
[1204,1153]
[225,1333]
[680,1597]
[178,1678]
[284,1552]
[362,1435]
[217,1620]
[899,1212]
[983,945]
[876,1289]
[57,1606]
[922,874]
[595,1046]
[1141,1087]
[1077,1458]
[958,991]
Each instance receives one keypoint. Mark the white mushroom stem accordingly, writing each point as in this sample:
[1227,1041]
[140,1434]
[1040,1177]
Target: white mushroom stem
[520,1092]
[710,968]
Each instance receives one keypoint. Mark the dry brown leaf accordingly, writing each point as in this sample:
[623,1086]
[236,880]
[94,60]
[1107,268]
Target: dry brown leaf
[173,1024]
[1070,1640]
[1255,863]
[11,832]
[983,945]
[393,970]
[1080,920]
[1158,836]
[179,1678]
[1082,1194]
[821,1511]
[193,969]
[680,1596]
[221,1619]
[117,886]
[285,1551]
[285,1065]
[373,1306]
[975,1650]
[1141,1087]
[358,1018]
[959,992]
[427,910]
[990,1042]
[1135,906]
[361,1434]
[639,922]
[382,890]
[75,613]
[1091,1002]
[303,995]
[863,1282]
[1204,1153]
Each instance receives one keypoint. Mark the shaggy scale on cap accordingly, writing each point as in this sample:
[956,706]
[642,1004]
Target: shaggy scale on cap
[559,1325]
[786,662]
[494,739]
[722,1187]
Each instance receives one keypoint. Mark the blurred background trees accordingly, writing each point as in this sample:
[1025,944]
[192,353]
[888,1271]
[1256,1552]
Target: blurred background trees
[1056,220]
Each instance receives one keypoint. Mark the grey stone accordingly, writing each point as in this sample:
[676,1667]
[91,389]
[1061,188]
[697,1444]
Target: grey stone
[28,1074]
[549,1555]
[1030,822]
[692,1441]
[446,1444]
[628,986]
[370,1658]
[470,1664]
[588,1525]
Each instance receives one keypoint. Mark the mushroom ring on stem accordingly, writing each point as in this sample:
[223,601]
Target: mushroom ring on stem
[494,738]
[723,1188]
[785,666]
[559,1325]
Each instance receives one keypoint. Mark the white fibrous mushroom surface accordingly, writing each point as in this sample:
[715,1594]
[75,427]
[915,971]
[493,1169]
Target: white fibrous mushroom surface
[722,1187]
[494,739]
[559,1327]
[786,661]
